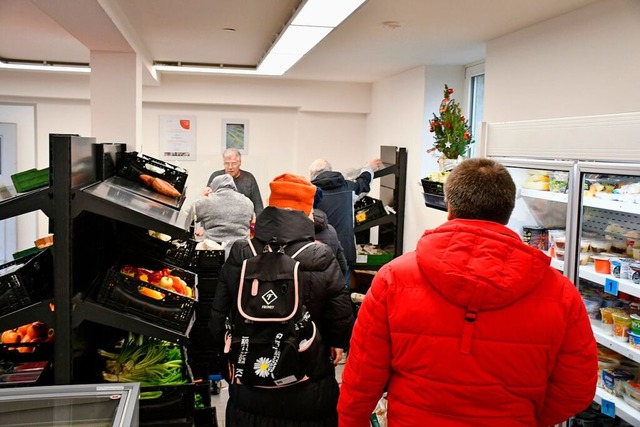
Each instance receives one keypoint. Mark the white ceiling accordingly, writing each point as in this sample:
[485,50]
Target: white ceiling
[361,49]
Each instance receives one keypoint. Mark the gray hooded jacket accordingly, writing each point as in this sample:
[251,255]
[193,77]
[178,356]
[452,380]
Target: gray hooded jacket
[224,214]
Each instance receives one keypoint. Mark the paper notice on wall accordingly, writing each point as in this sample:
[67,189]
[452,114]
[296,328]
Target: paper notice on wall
[178,137]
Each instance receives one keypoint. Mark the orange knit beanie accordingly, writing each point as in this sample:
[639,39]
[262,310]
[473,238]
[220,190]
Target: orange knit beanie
[292,191]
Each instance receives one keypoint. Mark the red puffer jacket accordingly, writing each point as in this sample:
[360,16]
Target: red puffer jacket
[473,328]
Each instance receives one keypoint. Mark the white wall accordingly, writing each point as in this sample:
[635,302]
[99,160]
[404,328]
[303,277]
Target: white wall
[290,123]
[583,63]
[23,115]
[400,109]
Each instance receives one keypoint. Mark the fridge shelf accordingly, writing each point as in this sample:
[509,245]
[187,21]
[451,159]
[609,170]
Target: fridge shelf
[609,341]
[592,202]
[544,195]
[623,409]
[624,285]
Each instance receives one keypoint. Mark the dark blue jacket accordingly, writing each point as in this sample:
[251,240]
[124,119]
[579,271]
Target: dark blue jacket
[338,195]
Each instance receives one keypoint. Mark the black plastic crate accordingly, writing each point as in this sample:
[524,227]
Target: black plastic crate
[176,403]
[181,253]
[205,417]
[135,164]
[432,187]
[368,209]
[26,364]
[26,281]
[433,194]
[122,292]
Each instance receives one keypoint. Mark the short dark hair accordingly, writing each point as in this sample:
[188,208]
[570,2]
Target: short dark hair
[480,189]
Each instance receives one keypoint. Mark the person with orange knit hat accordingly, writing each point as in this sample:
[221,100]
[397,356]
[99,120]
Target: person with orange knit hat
[287,221]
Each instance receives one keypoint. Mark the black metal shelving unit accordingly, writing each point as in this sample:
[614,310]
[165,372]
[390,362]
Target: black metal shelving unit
[393,177]
[76,201]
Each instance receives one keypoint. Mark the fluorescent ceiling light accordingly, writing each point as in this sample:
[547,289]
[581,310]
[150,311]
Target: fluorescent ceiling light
[203,68]
[44,66]
[325,13]
[310,24]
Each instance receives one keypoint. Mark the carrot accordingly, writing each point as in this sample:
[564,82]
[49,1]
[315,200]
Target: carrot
[159,185]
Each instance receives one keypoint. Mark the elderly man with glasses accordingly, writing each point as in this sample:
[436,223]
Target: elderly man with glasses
[245,181]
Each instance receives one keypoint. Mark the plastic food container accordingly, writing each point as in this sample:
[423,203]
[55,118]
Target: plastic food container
[559,242]
[618,246]
[635,323]
[613,380]
[560,254]
[593,307]
[558,182]
[585,245]
[602,264]
[634,403]
[632,389]
[621,326]
[607,319]
[620,268]
[634,339]
[598,246]
[605,363]
[585,257]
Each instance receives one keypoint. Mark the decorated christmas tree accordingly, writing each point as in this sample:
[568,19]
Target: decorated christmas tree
[451,129]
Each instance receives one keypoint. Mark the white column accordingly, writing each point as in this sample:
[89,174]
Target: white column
[116,98]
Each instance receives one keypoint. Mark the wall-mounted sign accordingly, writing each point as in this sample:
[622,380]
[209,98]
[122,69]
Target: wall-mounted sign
[178,137]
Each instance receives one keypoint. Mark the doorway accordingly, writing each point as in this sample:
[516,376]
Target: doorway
[8,163]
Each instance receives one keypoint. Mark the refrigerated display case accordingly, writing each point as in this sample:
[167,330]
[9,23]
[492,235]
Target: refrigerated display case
[601,212]
[78,405]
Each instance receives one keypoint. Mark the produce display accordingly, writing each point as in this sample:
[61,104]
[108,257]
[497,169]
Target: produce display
[149,361]
[33,332]
[160,278]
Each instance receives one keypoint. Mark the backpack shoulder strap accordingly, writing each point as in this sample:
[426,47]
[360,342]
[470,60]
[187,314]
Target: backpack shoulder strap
[253,249]
[302,249]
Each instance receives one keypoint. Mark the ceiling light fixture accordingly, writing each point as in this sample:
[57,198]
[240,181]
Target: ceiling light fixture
[311,23]
[28,65]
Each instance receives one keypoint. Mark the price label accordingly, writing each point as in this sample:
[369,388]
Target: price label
[611,286]
[608,408]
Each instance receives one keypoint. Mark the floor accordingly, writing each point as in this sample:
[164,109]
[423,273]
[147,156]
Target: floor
[220,400]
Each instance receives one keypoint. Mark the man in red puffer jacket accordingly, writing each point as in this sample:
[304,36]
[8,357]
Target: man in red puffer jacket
[473,328]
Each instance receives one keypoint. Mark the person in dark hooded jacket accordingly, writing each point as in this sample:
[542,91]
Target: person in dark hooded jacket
[338,196]
[310,403]
[326,234]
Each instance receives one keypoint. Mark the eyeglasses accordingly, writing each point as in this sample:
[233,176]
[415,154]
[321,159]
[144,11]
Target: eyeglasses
[231,163]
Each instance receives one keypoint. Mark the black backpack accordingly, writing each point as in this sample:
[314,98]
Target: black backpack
[273,341]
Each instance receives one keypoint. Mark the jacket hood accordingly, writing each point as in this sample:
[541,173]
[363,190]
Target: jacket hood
[462,257]
[223,181]
[320,220]
[328,180]
[285,225]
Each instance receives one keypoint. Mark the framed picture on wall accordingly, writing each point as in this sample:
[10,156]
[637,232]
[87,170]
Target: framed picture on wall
[235,134]
[177,137]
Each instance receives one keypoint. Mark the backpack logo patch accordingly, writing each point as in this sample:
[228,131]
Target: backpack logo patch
[269,298]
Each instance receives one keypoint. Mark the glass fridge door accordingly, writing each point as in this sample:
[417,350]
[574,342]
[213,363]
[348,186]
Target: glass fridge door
[71,405]
[609,276]
[541,212]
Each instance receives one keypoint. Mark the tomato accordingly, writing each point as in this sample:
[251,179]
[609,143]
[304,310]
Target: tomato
[155,277]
